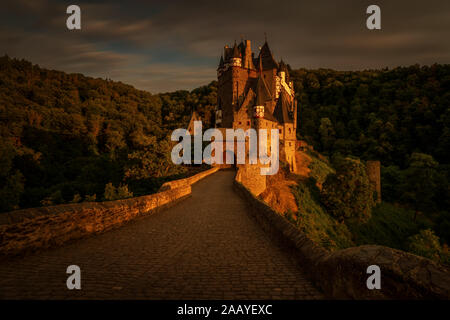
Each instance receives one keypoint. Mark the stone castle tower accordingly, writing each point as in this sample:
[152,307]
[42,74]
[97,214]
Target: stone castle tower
[257,93]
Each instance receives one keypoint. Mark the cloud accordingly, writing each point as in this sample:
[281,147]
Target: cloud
[162,46]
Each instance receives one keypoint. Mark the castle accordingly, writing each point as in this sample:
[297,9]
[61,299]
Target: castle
[257,93]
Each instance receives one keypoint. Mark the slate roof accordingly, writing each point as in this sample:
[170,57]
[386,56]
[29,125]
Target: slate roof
[281,112]
[262,92]
[236,53]
[221,63]
[266,58]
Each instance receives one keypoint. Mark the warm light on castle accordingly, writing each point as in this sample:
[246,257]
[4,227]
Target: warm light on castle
[256,93]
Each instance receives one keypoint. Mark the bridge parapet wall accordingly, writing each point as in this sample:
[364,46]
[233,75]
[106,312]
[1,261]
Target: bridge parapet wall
[188,181]
[342,274]
[30,229]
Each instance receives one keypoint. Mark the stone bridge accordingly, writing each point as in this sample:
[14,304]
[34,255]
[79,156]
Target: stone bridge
[206,246]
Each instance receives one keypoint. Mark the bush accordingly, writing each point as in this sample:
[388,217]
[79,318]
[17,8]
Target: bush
[53,199]
[347,194]
[113,193]
[90,198]
[320,169]
[426,244]
[314,221]
[11,192]
[76,198]
[110,192]
[123,193]
[389,226]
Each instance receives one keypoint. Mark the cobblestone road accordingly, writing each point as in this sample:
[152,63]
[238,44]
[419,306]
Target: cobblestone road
[204,247]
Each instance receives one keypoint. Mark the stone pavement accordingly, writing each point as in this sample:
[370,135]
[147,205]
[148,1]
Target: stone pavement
[204,247]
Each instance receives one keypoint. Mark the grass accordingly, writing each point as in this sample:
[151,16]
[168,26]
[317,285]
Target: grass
[389,225]
[320,169]
[314,221]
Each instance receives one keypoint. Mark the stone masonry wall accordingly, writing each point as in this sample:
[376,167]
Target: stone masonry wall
[250,176]
[36,228]
[188,181]
[342,274]
[374,174]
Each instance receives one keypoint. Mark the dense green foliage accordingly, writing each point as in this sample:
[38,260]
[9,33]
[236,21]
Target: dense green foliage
[64,137]
[319,166]
[400,117]
[376,114]
[347,194]
[389,225]
[427,244]
[314,220]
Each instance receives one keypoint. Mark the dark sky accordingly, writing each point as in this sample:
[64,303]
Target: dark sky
[168,45]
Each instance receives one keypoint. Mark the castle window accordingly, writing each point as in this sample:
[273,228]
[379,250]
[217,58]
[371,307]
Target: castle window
[259,112]
[240,122]
[289,130]
[290,144]
[281,131]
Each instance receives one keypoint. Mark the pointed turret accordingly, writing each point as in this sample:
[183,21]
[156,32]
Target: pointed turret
[241,48]
[266,57]
[221,63]
[236,53]
[283,71]
[236,57]
[260,67]
[282,66]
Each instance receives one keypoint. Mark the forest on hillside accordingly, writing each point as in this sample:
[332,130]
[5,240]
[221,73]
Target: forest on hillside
[400,117]
[70,138]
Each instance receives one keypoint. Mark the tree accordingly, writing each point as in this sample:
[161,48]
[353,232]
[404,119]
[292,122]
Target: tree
[11,192]
[327,134]
[110,192]
[391,179]
[425,244]
[420,182]
[153,161]
[347,194]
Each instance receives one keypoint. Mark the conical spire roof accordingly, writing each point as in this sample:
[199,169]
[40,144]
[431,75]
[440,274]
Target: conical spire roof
[267,60]
[282,66]
[221,63]
[236,53]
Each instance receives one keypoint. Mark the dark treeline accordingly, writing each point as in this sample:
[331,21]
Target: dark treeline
[71,138]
